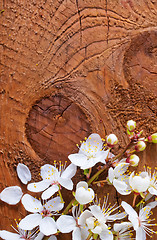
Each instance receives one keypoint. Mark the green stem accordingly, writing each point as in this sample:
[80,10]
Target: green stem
[89,236]
[59,191]
[96,174]
[69,206]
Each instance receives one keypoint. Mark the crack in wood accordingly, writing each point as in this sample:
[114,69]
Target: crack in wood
[79,15]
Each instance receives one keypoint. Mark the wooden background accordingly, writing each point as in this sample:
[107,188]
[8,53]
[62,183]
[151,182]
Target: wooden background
[69,68]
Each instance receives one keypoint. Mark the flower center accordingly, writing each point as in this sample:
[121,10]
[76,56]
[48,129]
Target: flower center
[45,213]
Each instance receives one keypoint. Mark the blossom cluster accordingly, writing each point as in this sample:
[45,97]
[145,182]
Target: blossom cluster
[86,216]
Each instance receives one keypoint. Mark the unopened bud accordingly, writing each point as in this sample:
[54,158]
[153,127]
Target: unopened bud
[153,138]
[133,160]
[111,140]
[140,146]
[131,125]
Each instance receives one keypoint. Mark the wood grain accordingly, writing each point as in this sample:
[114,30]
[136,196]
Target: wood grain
[69,68]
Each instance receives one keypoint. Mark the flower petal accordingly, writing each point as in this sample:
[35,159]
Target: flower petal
[49,192]
[84,196]
[76,234]
[30,221]
[31,204]
[9,236]
[54,204]
[11,195]
[49,171]
[97,212]
[23,173]
[48,226]
[69,172]
[77,159]
[107,235]
[140,234]
[66,223]
[39,236]
[82,219]
[38,186]
[66,183]
[111,174]
[133,217]
[52,238]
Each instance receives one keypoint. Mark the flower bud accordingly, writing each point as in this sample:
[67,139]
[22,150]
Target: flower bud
[84,194]
[133,160]
[140,146]
[131,125]
[111,140]
[153,138]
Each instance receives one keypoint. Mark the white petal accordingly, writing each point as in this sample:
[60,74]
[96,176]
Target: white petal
[97,212]
[38,186]
[76,234]
[116,216]
[107,235]
[140,234]
[89,163]
[82,184]
[66,223]
[52,238]
[9,236]
[84,196]
[11,195]
[48,226]
[49,171]
[30,221]
[66,183]
[111,174]
[77,159]
[94,140]
[102,155]
[23,173]
[39,236]
[82,219]
[120,169]
[54,204]
[122,226]
[49,192]
[118,184]
[133,217]
[69,172]
[152,190]
[31,204]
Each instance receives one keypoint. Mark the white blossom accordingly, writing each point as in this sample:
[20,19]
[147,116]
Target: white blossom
[53,178]
[41,214]
[21,234]
[23,173]
[118,178]
[74,224]
[90,152]
[121,231]
[84,194]
[140,223]
[140,182]
[11,195]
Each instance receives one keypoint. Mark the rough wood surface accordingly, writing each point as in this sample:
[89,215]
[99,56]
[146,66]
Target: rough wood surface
[69,68]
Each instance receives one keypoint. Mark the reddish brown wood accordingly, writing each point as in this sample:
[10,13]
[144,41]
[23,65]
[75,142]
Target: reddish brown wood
[69,68]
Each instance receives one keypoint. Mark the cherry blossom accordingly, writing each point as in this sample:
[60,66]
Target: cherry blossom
[90,152]
[141,222]
[41,214]
[53,178]
[74,224]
